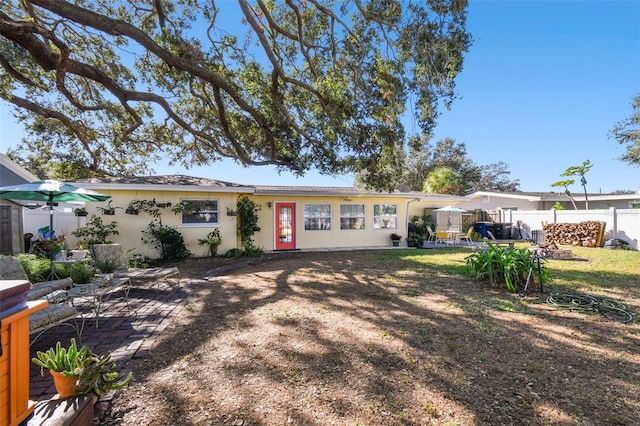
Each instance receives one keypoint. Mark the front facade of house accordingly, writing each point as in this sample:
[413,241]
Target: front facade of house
[290,218]
[319,218]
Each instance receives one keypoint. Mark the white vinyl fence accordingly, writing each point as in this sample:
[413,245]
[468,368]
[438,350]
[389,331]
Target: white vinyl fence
[64,222]
[620,223]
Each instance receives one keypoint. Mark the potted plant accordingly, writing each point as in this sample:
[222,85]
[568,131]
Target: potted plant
[108,210]
[213,240]
[133,207]
[82,274]
[81,211]
[395,239]
[106,267]
[79,371]
[65,365]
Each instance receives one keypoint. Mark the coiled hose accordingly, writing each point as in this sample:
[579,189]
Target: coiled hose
[591,304]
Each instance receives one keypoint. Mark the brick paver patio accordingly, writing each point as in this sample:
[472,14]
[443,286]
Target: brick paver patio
[128,330]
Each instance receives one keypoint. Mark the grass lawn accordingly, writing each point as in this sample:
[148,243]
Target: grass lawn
[390,337]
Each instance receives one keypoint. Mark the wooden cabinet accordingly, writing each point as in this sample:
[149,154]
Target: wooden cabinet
[15,405]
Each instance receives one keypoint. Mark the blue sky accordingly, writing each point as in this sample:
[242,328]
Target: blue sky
[542,86]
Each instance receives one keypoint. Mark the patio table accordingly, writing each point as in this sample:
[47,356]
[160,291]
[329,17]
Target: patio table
[452,236]
[99,292]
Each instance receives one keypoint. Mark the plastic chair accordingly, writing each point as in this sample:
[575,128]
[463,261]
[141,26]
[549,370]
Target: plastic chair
[467,237]
[431,238]
[441,235]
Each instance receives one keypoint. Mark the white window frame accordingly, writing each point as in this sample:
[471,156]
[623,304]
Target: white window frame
[385,220]
[202,212]
[357,219]
[322,218]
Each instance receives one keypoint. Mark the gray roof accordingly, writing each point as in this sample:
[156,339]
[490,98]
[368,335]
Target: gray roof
[339,191]
[182,182]
[179,180]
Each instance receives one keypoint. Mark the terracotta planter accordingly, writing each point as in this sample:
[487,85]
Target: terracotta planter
[64,385]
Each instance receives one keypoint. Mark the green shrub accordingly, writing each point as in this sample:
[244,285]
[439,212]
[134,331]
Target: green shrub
[82,273]
[167,240]
[234,252]
[509,267]
[38,268]
[95,232]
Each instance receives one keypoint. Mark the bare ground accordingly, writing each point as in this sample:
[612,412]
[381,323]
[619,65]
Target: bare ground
[358,338]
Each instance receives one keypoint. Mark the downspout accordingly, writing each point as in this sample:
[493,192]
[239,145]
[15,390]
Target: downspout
[406,215]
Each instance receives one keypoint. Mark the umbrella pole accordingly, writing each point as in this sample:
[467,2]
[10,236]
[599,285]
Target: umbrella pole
[51,274]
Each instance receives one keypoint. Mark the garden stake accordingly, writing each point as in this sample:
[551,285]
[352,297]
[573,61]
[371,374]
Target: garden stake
[534,259]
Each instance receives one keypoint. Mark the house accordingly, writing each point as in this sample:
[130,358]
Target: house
[546,200]
[619,212]
[290,217]
[11,225]
[296,217]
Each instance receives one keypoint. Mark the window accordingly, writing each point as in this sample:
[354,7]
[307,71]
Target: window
[317,217]
[351,216]
[200,211]
[385,216]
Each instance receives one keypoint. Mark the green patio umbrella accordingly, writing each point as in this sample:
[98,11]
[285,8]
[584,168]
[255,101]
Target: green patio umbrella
[50,191]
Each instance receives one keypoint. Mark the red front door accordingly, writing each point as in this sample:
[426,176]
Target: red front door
[285,226]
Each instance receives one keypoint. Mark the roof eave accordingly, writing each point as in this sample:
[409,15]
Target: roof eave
[171,188]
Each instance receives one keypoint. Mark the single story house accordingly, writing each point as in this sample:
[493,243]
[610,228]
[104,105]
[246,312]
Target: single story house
[295,217]
[290,217]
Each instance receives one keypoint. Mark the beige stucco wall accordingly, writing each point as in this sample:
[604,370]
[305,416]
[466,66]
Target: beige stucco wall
[130,227]
[335,237]
[493,202]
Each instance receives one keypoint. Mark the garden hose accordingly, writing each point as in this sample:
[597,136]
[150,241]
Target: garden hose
[590,304]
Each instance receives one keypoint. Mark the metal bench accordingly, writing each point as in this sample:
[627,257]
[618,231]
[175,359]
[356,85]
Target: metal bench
[57,312]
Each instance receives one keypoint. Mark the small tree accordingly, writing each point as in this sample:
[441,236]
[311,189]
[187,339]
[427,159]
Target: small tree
[566,184]
[442,180]
[580,171]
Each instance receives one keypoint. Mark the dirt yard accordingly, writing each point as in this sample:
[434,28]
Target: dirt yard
[363,338]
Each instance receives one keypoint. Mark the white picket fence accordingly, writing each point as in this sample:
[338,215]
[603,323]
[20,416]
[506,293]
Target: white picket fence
[620,223]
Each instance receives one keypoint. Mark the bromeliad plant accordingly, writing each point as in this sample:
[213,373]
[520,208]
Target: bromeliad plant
[509,267]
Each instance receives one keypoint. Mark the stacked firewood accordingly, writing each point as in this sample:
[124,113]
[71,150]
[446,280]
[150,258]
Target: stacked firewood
[584,234]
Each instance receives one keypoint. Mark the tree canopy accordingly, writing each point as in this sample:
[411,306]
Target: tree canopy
[627,132]
[301,85]
[442,168]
